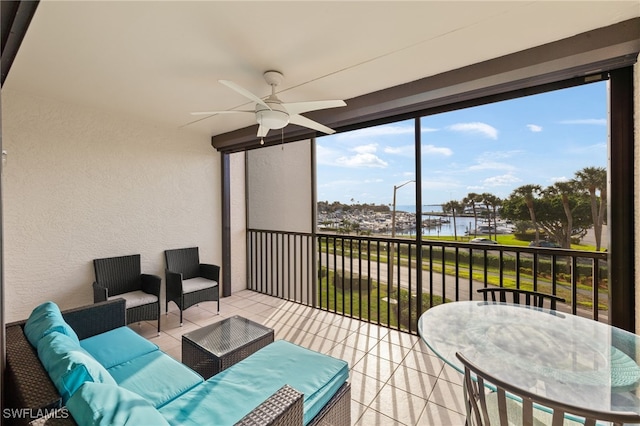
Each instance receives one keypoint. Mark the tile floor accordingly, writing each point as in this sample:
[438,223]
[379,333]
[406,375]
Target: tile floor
[395,379]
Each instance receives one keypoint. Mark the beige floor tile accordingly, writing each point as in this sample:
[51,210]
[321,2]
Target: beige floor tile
[175,353]
[347,353]
[390,351]
[425,363]
[399,405]
[357,410]
[378,368]
[361,341]
[452,375]
[448,395]
[373,330]
[434,414]
[364,389]
[400,338]
[335,333]
[318,344]
[413,381]
[374,418]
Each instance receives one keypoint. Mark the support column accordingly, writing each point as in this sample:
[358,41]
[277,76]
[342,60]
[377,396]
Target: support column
[621,195]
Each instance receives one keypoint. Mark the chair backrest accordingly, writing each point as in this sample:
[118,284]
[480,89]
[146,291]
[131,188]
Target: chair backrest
[531,298]
[185,261]
[482,405]
[118,274]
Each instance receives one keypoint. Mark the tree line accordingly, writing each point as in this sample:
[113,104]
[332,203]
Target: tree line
[564,210]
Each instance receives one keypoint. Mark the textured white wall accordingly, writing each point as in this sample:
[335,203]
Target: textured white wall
[82,184]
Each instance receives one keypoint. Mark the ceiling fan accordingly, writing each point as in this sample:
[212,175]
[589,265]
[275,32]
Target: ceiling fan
[272,113]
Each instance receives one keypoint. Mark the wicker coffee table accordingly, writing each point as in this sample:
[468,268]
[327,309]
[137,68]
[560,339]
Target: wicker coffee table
[213,348]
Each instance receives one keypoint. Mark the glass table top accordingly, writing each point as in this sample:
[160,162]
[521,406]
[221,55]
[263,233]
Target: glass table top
[564,357]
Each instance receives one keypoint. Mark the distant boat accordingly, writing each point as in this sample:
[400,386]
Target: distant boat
[486,229]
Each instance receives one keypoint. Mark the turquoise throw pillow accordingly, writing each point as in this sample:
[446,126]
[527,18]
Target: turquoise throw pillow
[103,404]
[68,365]
[45,319]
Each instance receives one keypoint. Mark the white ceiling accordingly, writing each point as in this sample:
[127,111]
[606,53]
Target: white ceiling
[158,60]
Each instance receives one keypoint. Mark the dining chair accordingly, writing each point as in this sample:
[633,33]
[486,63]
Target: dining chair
[531,298]
[490,401]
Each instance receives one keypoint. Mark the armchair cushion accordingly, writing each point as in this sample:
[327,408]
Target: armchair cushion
[117,346]
[103,404]
[135,298]
[45,319]
[196,284]
[68,365]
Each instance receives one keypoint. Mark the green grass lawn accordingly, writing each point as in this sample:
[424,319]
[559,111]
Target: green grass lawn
[360,297]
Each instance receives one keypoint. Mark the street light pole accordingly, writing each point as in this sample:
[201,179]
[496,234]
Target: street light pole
[393,233]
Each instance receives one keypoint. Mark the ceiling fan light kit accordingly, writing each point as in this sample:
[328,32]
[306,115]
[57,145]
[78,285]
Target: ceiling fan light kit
[274,118]
[272,113]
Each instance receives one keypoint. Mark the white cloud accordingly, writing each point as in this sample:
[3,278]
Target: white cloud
[428,129]
[436,150]
[554,179]
[596,121]
[492,165]
[494,155]
[405,150]
[475,127]
[365,149]
[326,156]
[534,128]
[502,180]
[365,159]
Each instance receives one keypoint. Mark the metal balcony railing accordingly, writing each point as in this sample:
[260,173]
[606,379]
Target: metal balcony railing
[391,282]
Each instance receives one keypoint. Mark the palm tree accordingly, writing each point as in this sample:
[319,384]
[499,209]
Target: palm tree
[564,189]
[453,207]
[492,202]
[595,179]
[470,200]
[528,192]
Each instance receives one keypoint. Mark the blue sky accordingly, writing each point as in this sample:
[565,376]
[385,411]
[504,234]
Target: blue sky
[492,148]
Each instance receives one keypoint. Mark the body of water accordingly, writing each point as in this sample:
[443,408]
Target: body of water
[464,224]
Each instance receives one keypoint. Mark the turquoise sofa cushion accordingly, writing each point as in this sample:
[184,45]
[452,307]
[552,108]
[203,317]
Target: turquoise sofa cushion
[107,405]
[45,319]
[156,377]
[228,396]
[117,346]
[68,365]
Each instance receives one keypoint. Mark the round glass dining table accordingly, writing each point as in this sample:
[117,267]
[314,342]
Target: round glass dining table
[565,357]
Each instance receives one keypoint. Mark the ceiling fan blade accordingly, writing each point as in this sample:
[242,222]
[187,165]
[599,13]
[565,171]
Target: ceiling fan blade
[231,111]
[262,131]
[305,122]
[300,107]
[244,92]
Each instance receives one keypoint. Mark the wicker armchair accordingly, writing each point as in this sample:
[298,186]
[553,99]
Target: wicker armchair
[188,281]
[120,277]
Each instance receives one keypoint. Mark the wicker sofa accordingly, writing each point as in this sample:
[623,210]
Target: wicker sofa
[34,398]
